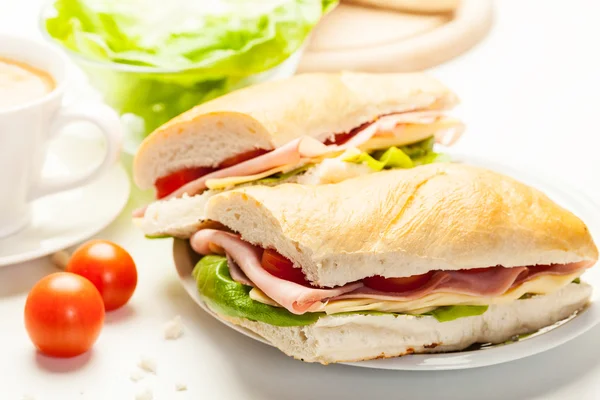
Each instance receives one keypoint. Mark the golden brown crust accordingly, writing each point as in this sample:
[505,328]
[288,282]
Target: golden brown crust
[316,104]
[406,222]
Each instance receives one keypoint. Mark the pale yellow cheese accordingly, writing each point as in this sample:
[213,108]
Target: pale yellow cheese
[410,133]
[541,285]
[224,183]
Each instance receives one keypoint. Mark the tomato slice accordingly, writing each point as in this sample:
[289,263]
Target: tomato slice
[476,270]
[397,284]
[167,184]
[170,183]
[279,266]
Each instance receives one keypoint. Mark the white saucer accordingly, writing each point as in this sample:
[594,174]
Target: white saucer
[544,340]
[67,218]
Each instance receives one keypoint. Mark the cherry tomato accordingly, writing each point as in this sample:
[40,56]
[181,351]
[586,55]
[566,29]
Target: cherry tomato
[166,185]
[64,314]
[109,267]
[397,284]
[279,266]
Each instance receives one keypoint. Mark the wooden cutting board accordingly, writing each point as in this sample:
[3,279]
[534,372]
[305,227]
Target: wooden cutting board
[377,40]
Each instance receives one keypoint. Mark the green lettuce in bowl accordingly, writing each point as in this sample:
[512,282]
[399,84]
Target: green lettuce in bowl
[154,60]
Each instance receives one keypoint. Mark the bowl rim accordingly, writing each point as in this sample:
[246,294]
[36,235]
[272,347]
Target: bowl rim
[121,67]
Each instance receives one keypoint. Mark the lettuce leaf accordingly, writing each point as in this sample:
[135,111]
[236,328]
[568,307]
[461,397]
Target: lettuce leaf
[155,237]
[409,156]
[391,158]
[228,297]
[278,177]
[231,298]
[419,149]
[450,313]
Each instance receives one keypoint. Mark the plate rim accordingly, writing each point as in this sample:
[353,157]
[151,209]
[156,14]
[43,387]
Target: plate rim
[569,330]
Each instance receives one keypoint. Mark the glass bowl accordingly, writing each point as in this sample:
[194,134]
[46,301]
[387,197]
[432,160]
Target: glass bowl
[147,97]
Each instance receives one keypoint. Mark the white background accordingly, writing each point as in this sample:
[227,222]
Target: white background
[530,96]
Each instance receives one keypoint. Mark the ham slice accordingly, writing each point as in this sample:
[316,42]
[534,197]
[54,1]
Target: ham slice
[554,269]
[291,153]
[493,281]
[245,267]
[487,283]
[236,273]
[296,298]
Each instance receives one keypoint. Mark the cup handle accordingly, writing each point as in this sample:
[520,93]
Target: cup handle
[104,118]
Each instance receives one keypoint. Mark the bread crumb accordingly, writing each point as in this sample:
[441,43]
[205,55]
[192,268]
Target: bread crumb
[60,259]
[136,375]
[180,387]
[174,328]
[145,394]
[147,364]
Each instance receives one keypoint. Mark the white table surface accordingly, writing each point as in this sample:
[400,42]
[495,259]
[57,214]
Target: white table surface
[531,97]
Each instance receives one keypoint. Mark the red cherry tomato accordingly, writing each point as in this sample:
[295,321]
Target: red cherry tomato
[109,267]
[64,314]
[166,185]
[279,266]
[397,284]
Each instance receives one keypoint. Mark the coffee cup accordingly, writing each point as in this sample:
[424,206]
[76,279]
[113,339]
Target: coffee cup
[33,77]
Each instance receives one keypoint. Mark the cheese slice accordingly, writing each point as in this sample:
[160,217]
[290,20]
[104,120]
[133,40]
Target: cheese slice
[541,285]
[405,134]
[224,183]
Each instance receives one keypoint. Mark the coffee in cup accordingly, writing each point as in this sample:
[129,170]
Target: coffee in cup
[21,83]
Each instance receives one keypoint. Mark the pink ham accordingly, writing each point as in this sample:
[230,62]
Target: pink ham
[236,273]
[296,298]
[290,153]
[554,269]
[490,282]
[487,283]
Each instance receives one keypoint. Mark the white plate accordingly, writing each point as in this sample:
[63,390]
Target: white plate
[544,340]
[67,218]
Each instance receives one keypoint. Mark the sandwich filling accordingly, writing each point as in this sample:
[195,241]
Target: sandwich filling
[264,279]
[297,156]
